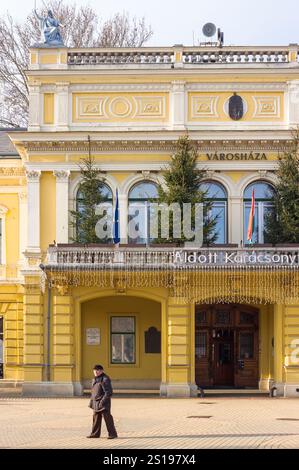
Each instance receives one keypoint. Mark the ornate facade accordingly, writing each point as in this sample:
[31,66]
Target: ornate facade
[64,307]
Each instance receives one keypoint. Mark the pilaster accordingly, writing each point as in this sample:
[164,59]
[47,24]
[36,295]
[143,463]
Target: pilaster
[33,210]
[178,352]
[62,106]
[235,213]
[178,105]
[293,102]
[63,338]
[123,220]
[291,350]
[34,108]
[33,331]
[23,227]
[278,348]
[62,209]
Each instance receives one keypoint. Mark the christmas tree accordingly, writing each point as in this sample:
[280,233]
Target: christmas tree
[84,217]
[282,223]
[182,185]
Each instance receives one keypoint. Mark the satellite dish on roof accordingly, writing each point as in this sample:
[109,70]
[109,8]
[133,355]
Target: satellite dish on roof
[209,30]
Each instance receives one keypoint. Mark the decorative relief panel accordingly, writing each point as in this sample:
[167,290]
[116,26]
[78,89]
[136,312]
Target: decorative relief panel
[90,107]
[213,106]
[267,106]
[114,107]
[203,106]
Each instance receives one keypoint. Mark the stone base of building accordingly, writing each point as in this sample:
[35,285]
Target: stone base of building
[265,384]
[291,390]
[278,389]
[10,383]
[178,390]
[129,384]
[286,390]
[48,389]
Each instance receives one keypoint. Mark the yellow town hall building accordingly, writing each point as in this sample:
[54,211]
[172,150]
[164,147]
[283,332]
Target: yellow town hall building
[153,324]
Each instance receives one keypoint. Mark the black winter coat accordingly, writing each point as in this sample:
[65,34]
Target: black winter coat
[101,392]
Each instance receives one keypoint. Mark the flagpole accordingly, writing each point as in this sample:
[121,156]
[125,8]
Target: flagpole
[250,229]
[116,232]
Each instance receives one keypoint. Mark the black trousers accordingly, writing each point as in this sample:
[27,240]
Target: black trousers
[97,423]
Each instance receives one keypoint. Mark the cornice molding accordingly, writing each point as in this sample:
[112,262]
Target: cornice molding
[236,86]
[164,146]
[121,87]
[6,171]
[214,165]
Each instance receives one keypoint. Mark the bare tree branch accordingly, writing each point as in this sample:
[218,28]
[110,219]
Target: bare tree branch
[82,29]
[121,31]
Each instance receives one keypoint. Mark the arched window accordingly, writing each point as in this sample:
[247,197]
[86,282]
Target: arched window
[216,194]
[140,196]
[107,196]
[263,194]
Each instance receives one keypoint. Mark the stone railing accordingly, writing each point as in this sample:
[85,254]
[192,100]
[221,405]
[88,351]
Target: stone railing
[121,56]
[230,55]
[179,56]
[171,258]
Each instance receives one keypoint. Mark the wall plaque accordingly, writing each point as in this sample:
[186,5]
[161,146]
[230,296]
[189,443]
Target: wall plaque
[93,336]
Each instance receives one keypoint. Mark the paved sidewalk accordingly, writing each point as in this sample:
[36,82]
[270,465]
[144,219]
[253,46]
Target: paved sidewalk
[153,423]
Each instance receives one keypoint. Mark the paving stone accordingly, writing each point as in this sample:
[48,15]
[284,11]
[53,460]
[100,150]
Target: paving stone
[245,423]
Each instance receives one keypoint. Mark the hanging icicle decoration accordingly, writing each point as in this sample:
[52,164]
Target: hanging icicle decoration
[205,283]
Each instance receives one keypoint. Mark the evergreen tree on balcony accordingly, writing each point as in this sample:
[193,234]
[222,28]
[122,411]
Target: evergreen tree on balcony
[181,185]
[282,224]
[84,217]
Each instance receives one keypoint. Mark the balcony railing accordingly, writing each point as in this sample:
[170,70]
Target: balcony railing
[97,257]
[183,56]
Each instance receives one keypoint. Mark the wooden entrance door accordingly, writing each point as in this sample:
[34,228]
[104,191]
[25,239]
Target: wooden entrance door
[223,357]
[226,346]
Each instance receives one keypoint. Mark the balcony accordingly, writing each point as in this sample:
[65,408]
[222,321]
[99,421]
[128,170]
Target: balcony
[66,257]
[180,56]
[208,275]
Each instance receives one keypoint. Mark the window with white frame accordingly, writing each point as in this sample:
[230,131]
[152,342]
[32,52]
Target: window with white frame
[106,195]
[122,330]
[263,194]
[216,195]
[140,197]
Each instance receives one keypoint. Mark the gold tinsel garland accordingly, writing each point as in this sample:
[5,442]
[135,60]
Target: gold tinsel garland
[207,284]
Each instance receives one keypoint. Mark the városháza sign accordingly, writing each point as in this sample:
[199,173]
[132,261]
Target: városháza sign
[237,156]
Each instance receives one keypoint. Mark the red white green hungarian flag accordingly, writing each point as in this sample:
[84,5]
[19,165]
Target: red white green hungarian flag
[250,229]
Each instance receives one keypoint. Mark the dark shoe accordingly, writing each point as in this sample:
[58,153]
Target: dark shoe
[112,437]
[91,436]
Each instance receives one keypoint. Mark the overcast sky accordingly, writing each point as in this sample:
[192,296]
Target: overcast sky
[254,22]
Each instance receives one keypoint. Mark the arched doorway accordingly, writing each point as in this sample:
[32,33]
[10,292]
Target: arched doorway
[123,333]
[226,346]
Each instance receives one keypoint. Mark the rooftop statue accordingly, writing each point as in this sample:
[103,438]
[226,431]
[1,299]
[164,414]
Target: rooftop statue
[49,27]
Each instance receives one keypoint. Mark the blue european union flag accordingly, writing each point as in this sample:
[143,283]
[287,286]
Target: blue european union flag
[116,234]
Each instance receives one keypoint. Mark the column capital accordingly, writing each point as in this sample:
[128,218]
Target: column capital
[62,176]
[33,176]
[23,196]
[178,85]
